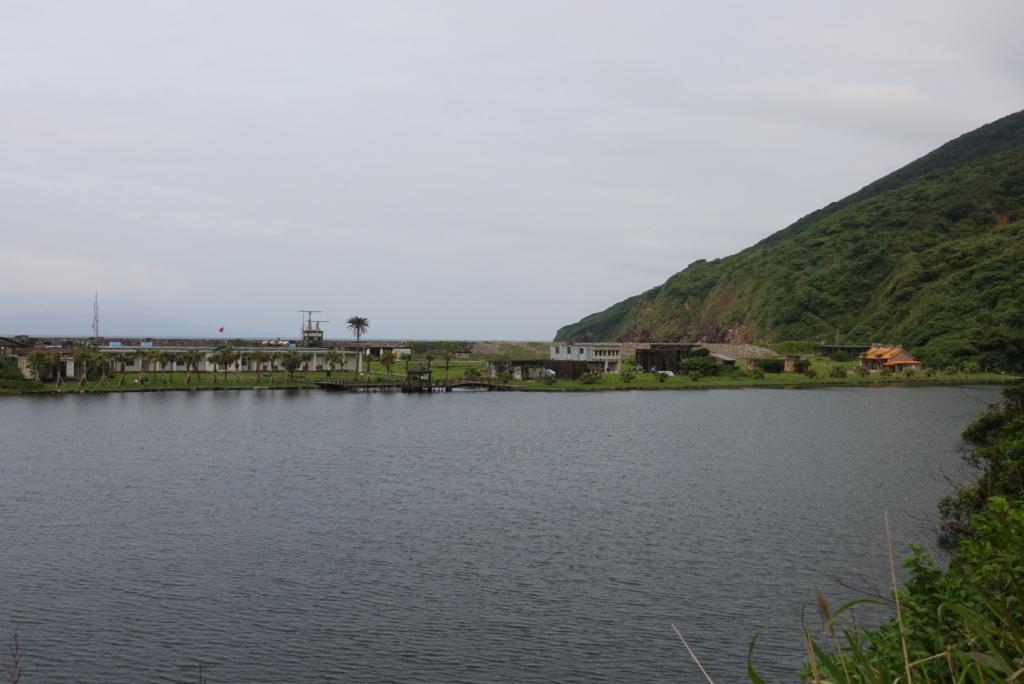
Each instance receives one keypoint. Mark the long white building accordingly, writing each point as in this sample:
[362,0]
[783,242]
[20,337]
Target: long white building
[605,357]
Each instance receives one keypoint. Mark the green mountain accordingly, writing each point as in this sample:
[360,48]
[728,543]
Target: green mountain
[930,257]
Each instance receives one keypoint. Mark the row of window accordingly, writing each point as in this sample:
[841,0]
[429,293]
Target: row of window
[597,352]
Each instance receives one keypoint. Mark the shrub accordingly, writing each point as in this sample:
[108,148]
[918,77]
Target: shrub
[590,378]
[473,374]
[704,365]
[757,374]
[696,375]
[628,372]
[9,368]
[801,365]
[770,365]
[811,373]
[662,377]
[837,372]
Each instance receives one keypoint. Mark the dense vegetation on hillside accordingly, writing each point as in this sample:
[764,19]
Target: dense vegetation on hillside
[930,257]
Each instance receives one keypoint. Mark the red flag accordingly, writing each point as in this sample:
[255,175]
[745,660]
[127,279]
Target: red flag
[220,329]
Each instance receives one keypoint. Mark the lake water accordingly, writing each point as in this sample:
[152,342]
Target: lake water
[466,537]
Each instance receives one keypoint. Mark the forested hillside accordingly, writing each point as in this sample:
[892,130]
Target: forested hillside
[930,257]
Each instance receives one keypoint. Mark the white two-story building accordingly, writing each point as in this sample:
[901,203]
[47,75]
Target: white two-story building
[601,357]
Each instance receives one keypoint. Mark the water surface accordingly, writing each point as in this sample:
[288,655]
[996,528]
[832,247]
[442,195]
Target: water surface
[305,536]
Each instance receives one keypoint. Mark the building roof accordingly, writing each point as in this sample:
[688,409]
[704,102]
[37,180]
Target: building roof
[881,353]
[886,354]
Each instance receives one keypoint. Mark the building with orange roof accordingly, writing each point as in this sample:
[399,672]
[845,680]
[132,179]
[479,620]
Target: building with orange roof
[881,357]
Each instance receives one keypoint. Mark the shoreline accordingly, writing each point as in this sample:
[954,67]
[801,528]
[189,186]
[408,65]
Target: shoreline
[828,382]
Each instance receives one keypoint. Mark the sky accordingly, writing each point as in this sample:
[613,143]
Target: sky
[448,169]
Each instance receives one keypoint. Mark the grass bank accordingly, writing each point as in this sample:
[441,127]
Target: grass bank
[823,375]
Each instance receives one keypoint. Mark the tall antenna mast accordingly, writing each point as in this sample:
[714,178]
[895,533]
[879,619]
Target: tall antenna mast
[96,316]
[311,336]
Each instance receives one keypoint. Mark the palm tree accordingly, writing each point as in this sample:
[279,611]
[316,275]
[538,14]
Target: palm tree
[101,362]
[358,325]
[214,358]
[192,357]
[271,364]
[331,358]
[83,357]
[387,360]
[222,357]
[290,361]
[141,356]
[235,357]
[259,358]
[448,350]
[153,359]
[122,361]
[165,358]
[39,363]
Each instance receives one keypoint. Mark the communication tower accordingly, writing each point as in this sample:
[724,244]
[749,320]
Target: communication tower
[96,317]
[312,335]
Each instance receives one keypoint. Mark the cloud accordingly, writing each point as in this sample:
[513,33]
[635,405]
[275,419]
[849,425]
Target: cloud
[238,161]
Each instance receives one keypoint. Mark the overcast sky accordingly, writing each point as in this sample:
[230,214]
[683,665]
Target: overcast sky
[474,170]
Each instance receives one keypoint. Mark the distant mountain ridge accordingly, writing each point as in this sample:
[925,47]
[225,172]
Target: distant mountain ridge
[930,256]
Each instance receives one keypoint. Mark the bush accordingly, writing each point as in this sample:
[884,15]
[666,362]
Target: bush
[662,377]
[702,364]
[9,368]
[757,374]
[801,365]
[811,373]
[590,378]
[862,372]
[696,375]
[628,372]
[770,365]
[837,372]
[473,374]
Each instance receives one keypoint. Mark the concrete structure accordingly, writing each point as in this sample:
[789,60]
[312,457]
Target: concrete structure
[129,356]
[600,357]
[537,369]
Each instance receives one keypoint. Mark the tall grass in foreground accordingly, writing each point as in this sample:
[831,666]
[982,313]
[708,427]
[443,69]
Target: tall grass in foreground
[962,625]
